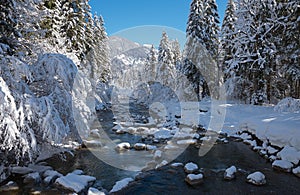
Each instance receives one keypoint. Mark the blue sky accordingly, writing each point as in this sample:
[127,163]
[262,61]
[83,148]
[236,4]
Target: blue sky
[128,18]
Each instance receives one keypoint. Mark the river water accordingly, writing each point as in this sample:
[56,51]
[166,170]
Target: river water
[171,180]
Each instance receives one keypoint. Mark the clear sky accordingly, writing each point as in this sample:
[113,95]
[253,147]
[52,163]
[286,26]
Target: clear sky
[171,15]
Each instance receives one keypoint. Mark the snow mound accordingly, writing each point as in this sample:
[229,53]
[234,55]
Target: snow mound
[257,178]
[288,105]
[230,173]
[73,182]
[190,167]
[121,184]
[282,165]
[289,154]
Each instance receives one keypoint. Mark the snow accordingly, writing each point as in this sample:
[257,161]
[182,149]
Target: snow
[51,175]
[271,150]
[94,191]
[192,177]
[21,170]
[176,164]
[257,178]
[296,171]
[186,142]
[157,154]
[163,134]
[191,167]
[74,182]
[289,154]
[123,146]
[283,164]
[288,105]
[121,184]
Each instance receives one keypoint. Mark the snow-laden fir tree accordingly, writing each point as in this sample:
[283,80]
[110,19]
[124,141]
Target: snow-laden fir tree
[227,35]
[202,32]
[150,66]
[166,68]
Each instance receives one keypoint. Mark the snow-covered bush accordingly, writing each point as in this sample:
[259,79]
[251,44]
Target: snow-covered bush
[288,105]
[35,105]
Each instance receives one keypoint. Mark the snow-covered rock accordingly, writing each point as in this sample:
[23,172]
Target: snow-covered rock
[175,165]
[163,134]
[74,183]
[191,167]
[271,150]
[187,142]
[296,171]
[288,105]
[139,146]
[163,163]
[92,143]
[94,191]
[95,133]
[150,147]
[123,146]
[32,178]
[118,127]
[230,173]
[77,172]
[257,178]
[21,170]
[50,176]
[157,154]
[121,184]
[282,165]
[194,179]
[9,187]
[289,154]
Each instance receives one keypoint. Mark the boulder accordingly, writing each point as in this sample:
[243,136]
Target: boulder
[282,165]
[191,167]
[230,173]
[257,179]
[194,179]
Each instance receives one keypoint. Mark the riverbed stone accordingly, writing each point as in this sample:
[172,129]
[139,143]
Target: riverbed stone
[191,167]
[9,186]
[296,171]
[282,165]
[194,179]
[139,146]
[32,178]
[230,173]
[257,179]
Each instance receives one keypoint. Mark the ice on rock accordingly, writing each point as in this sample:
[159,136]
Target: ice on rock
[289,154]
[230,173]
[282,165]
[121,184]
[190,167]
[194,179]
[296,171]
[74,183]
[117,127]
[257,178]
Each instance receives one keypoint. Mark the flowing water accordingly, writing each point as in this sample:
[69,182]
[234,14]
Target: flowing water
[171,180]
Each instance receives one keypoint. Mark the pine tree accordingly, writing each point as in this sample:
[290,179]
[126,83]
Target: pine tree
[166,67]
[202,33]
[227,36]
[150,66]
